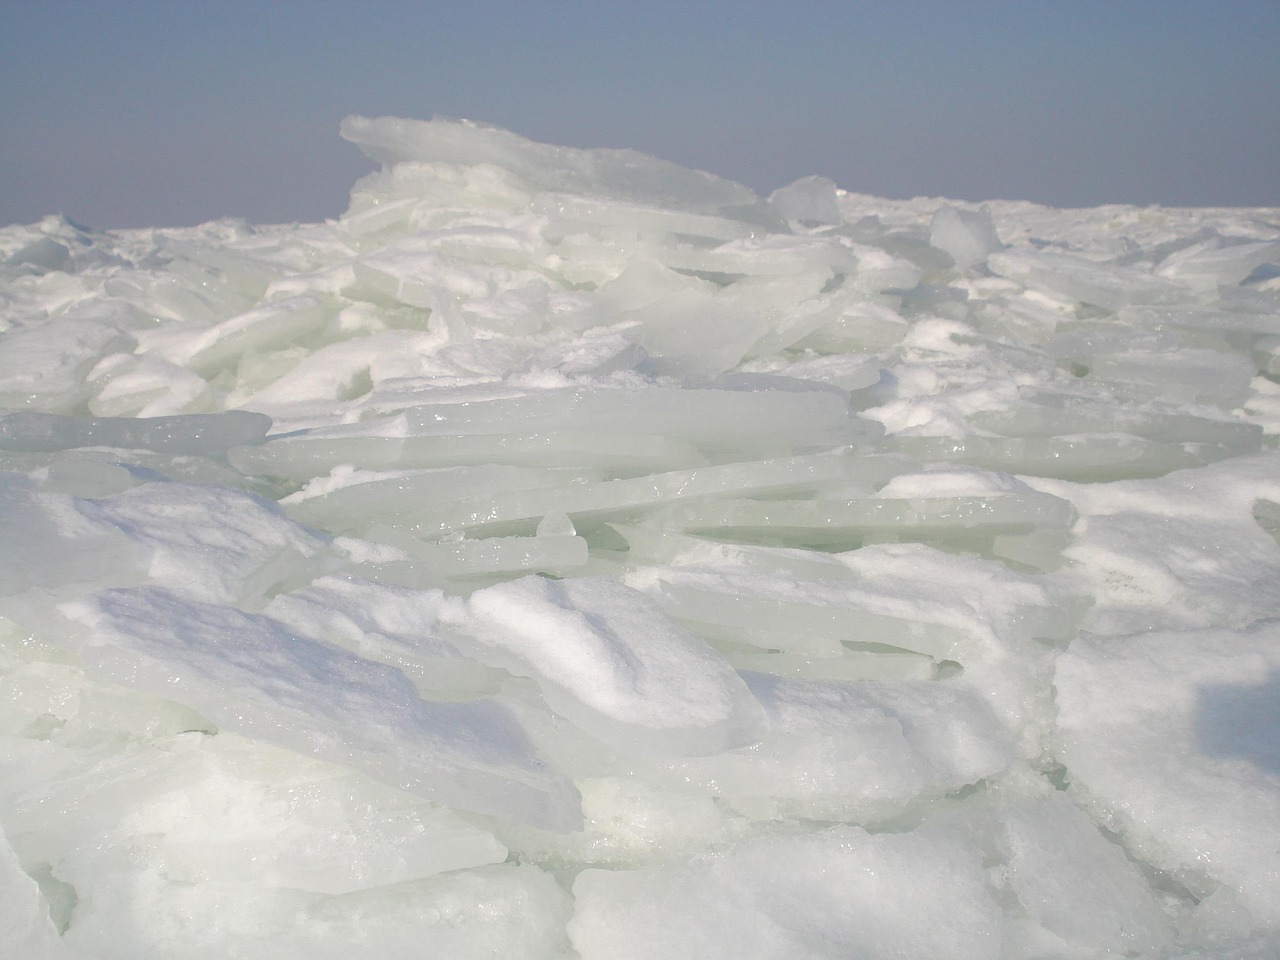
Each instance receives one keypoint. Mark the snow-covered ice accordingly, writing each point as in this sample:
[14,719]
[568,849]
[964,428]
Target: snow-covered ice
[566,554]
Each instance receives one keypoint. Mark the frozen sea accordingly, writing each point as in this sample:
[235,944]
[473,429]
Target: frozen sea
[566,554]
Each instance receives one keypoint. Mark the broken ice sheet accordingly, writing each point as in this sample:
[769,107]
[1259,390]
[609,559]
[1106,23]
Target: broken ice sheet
[252,675]
[1079,279]
[346,501]
[44,367]
[782,422]
[229,810]
[490,305]
[611,662]
[836,892]
[197,434]
[1163,735]
[973,524]
[390,624]
[209,542]
[613,174]
[1216,564]
[1071,880]
[461,565]
[506,513]
[856,752]
[47,541]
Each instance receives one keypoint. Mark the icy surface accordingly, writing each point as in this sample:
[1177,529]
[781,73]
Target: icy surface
[565,554]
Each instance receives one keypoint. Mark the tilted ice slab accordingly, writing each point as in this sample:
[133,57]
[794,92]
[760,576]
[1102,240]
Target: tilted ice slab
[836,751]
[249,674]
[557,427]
[209,434]
[1169,739]
[231,810]
[610,661]
[385,623]
[824,894]
[612,174]
[1217,565]
[210,543]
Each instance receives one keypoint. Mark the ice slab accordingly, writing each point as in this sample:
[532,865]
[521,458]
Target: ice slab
[270,326]
[612,663]
[47,541]
[714,420]
[221,811]
[1214,262]
[1187,376]
[801,626]
[211,543]
[847,524]
[839,892]
[569,214]
[197,434]
[347,501]
[780,256]
[44,367]
[455,563]
[824,736]
[252,675]
[41,255]
[591,501]
[1221,318]
[649,546]
[1081,280]
[625,432]
[1193,580]
[968,236]
[855,327]
[305,456]
[147,387]
[1172,749]
[505,910]
[615,174]
[240,269]
[1074,882]
[1057,415]
[809,200]
[25,924]
[388,623]
[1084,458]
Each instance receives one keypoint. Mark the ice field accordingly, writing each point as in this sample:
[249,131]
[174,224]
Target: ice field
[566,554]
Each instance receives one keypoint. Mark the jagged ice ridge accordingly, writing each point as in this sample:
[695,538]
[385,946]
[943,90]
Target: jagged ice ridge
[568,554]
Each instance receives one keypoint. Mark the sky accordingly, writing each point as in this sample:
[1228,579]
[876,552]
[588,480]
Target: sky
[132,114]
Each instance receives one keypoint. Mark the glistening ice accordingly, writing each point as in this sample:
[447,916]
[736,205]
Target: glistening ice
[566,554]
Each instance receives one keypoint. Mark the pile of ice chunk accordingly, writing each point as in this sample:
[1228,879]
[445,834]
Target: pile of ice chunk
[568,554]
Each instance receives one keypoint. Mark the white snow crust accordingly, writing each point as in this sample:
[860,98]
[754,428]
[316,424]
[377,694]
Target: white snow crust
[566,554]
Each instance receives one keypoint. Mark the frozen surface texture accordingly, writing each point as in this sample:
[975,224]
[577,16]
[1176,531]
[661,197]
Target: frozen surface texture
[565,554]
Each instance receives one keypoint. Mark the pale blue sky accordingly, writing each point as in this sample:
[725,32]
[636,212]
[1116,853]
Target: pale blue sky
[128,113]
